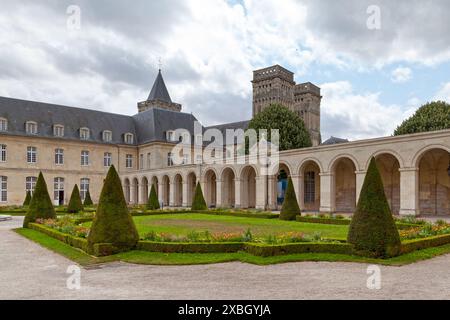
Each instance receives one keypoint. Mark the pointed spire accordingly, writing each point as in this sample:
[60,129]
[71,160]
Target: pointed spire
[159,90]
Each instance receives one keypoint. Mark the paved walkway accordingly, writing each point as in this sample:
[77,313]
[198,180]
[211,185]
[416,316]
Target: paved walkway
[28,271]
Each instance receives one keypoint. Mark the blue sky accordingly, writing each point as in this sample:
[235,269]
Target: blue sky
[371,78]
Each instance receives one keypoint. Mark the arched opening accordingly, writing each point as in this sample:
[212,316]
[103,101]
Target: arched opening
[155,183]
[248,187]
[191,183]
[166,191]
[145,192]
[210,188]
[310,171]
[135,191]
[178,191]
[281,180]
[389,167]
[228,190]
[127,190]
[344,185]
[434,182]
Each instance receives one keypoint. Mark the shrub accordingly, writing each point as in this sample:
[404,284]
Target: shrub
[40,204]
[75,204]
[290,208]
[198,203]
[153,203]
[27,200]
[113,223]
[87,200]
[372,231]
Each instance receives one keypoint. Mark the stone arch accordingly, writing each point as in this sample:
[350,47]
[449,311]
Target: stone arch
[344,182]
[248,187]
[210,183]
[135,189]
[309,171]
[419,154]
[389,168]
[145,190]
[280,182]
[228,176]
[306,160]
[127,190]
[393,153]
[191,180]
[155,182]
[333,161]
[165,197]
[178,190]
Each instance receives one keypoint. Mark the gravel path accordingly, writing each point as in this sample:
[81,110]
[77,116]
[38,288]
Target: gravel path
[28,271]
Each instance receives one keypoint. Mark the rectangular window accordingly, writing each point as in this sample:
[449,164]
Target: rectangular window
[107,159]
[59,156]
[3,189]
[141,161]
[3,153]
[84,187]
[58,131]
[129,138]
[84,134]
[185,158]
[129,161]
[310,187]
[31,127]
[31,154]
[107,136]
[30,184]
[170,159]
[58,186]
[3,125]
[84,158]
[149,160]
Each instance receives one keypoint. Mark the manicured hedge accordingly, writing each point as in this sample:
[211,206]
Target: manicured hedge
[266,215]
[418,244]
[294,248]
[76,242]
[171,247]
[323,220]
[158,212]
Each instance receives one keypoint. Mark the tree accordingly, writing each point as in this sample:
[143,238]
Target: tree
[75,204]
[198,203]
[292,131]
[429,117]
[40,205]
[290,208]
[113,222]
[27,199]
[373,231]
[87,199]
[153,202]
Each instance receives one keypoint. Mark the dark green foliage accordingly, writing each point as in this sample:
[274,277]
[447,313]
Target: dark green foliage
[169,247]
[27,199]
[198,203]
[429,117]
[290,208]
[113,223]
[264,250]
[41,206]
[292,131]
[153,203]
[372,231]
[87,200]
[75,204]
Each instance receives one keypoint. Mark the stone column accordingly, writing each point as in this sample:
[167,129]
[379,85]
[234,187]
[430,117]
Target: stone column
[409,191]
[327,201]
[160,190]
[132,193]
[185,194]
[271,193]
[261,192]
[218,193]
[237,193]
[297,187]
[360,175]
[171,194]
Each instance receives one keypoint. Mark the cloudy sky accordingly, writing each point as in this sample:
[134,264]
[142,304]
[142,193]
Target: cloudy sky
[373,72]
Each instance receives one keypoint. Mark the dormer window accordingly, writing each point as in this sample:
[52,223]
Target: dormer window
[3,124]
[84,133]
[58,130]
[31,127]
[170,135]
[107,136]
[129,138]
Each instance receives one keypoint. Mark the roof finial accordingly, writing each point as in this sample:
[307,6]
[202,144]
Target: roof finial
[159,63]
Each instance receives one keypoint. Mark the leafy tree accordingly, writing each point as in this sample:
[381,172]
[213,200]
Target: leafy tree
[373,231]
[113,222]
[292,131]
[41,206]
[290,208]
[87,199]
[75,204]
[429,117]
[198,203]
[153,202]
[27,199]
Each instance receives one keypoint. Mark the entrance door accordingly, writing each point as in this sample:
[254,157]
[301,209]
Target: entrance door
[61,197]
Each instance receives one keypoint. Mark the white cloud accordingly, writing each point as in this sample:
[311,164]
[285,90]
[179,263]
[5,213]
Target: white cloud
[443,93]
[401,74]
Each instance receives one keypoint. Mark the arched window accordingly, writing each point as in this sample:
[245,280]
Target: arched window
[129,138]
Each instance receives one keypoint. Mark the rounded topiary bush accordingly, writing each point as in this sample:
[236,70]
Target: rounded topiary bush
[290,208]
[373,232]
[41,206]
[113,223]
[27,200]
[153,203]
[75,204]
[198,203]
[87,200]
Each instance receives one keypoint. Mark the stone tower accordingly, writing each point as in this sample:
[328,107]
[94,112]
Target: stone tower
[159,97]
[276,85]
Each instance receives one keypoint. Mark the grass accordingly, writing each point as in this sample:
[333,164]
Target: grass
[156,258]
[182,225]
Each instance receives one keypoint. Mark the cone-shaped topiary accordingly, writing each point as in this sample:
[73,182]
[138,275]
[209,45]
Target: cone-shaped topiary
[373,232]
[27,200]
[87,200]
[40,205]
[290,208]
[75,204]
[153,203]
[113,222]
[198,203]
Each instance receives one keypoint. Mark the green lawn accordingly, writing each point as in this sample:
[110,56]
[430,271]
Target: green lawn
[182,224]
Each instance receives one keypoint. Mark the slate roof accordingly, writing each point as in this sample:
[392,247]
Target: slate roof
[159,90]
[334,140]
